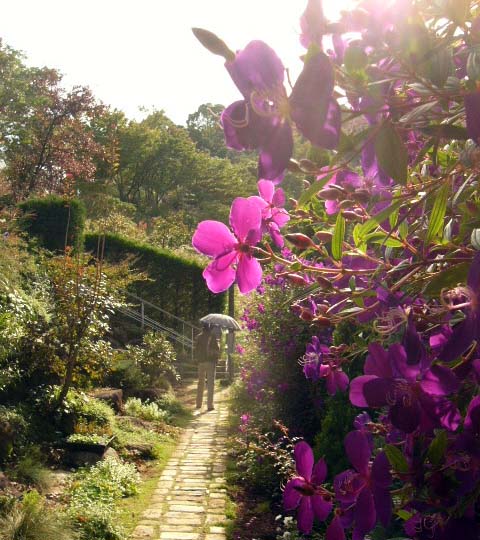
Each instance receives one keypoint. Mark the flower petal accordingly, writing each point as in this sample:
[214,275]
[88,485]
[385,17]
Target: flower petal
[319,472]
[335,530]
[305,516]
[365,514]
[358,450]
[439,381]
[256,68]
[400,365]
[276,152]
[377,362]
[321,507]
[291,495]
[220,274]
[243,128]
[266,188]
[213,238]
[357,396]
[311,97]
[246,215]
[249,273]
[303,459]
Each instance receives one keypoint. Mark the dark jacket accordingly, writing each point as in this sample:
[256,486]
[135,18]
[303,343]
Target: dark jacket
[206,347]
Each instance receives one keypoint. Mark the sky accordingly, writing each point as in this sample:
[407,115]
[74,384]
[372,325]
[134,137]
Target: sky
[142,53]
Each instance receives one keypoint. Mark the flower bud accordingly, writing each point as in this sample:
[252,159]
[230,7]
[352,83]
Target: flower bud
[322,321]
[300,240]
[294,166]
[361,195]
[308,166]
[296,279]
[324,236]
[332,193]
[213,43]
[350,215]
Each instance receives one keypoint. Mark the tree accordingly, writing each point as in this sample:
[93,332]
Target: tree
[45,130]
[205,130]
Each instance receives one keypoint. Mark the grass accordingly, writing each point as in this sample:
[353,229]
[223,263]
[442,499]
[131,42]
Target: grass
[130,509]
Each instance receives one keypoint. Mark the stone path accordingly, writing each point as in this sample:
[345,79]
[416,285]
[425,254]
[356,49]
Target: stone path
[190,498]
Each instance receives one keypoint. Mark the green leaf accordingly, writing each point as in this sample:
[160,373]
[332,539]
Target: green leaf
[375,221]
[435,225]
[391,153]
[448,278]
[382,237]
[403,514]
[338,236]
[437,448]
[475,238]
[396,458]
[316,186]
[446,131]
[355,59]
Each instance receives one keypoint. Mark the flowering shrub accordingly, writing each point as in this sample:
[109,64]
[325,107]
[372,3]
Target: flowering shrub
[386,241]
[145,410]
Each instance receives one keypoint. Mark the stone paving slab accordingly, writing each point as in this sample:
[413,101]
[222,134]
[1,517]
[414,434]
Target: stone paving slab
[189,500]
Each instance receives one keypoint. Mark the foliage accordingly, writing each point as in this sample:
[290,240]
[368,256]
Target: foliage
[45,130]
[30,468]
[385,242]
[85,413]
[146,411]
[56,222]
[31,519]
[174,283]
[93,493]
[88,438]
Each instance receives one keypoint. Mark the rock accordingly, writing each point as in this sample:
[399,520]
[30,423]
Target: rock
[82,458]
[112,396]
[111,453]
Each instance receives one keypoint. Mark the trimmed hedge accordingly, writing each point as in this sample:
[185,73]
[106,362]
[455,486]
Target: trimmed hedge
[176,284]
[48,218]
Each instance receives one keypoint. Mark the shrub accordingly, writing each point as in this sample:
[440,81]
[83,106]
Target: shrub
[13,428]
[55,221]
[30,519]
[174,283]
[30,469]
[145,411]
[79,409]
[93,493]
[109,480]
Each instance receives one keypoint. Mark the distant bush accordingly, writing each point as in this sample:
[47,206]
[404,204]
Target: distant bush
[81,410]
[174,283]
[146,411]
[55,221]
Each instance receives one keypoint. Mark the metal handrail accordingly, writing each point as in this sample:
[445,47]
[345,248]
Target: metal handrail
[158,308]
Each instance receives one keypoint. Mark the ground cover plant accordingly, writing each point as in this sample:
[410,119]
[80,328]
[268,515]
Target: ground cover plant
[384,253]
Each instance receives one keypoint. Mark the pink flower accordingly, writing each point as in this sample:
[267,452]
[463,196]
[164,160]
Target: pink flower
[232,253]
[274,217]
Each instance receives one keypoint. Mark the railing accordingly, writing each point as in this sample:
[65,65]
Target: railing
[184,332]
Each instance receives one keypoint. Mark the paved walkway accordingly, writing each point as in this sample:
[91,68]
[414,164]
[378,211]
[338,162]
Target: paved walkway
[190,498]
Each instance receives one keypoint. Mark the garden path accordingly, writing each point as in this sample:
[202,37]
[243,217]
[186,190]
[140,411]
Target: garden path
[190,498]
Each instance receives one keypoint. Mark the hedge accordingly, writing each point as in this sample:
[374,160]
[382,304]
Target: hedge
[176,284]
[48,218]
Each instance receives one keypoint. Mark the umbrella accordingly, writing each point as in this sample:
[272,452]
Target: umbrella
[218,319]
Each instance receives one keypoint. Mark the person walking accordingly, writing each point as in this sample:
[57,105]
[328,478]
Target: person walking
[207,352]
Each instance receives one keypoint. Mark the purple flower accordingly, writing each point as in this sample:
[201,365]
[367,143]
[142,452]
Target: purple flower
[262,120]
[455,342]
[274,216]
[322,362]
[312,24]
[414,393]
[364,492]
[305,492]
[232,253]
